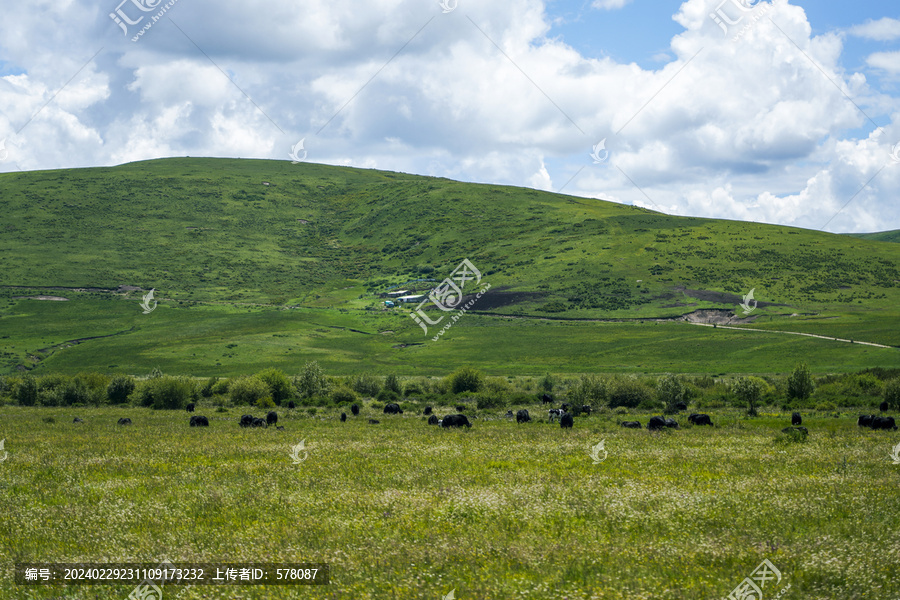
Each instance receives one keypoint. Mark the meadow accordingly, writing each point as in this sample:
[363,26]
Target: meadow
[404,510]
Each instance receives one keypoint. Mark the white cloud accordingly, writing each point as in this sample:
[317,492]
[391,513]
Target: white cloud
[609,4]
[882,30]
[887,61]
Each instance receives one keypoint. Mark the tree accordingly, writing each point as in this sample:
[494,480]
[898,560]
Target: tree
[800,383]
[311,381]
[248,389]
[27,391]
[548,382]
[392,383]
[892,393]
[466,379]
[749,391]
[366,384]
[167,392]
[119,388]
[670,390]
[590,389]
[279,385]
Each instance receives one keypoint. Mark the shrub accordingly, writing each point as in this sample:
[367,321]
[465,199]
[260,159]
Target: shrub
[119,389]
[800,383]
[343,395]
[75,392]
[620,410]
[247,389]
[207,390]
[891,393]
[547,383]
[311,381]
[489,399]
[265,403]
[155,374]
[670,392]
[466,379]
[590,389]
[825,406]
[366,384]
[279,385]
[167,392]
[392,383]
[95,385]
[748,391]
[496,385]
[629,392]
[27,391]
[220,387]
[413,388]
[387,396]
[50,389]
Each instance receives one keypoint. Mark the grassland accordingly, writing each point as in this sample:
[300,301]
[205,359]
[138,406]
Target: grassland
[403,510]
[259,263]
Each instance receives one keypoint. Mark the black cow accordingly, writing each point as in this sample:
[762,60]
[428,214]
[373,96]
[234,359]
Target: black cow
[77,420]
[455,421]
[433,420]
[374,422]
[672,423]
[190,407]
[865,420]
[700,419]
[883,407]
[509,415]
[280,428]
[566,421]
[199,421]
[796,419]
[656,423]
[291,404]
[392,409]
[246,420]
[522,416]
[631,424]
[125,421]
[460,408]
[883,423]
[586,409]
[354,409]
[565,407]
[681,406]
[343,417]
[259,423]
[272,418]
[427,410]
[546,399]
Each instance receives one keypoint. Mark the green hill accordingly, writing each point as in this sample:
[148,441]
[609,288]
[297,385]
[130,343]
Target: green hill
[883,236]
[257,263]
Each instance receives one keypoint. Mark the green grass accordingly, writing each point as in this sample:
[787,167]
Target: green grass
[404,510]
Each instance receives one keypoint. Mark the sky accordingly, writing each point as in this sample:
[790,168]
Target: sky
[774,112]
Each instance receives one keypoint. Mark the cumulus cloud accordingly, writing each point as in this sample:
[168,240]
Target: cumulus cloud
[746,118]
[882,30]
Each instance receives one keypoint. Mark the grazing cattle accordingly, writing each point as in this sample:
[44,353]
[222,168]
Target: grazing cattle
[865,420]
[566,421]
[460,408]
[259,423]
[77,420]
[586,409]
[796,419]
[656,423]
[680,406]
[546,399]
[433,420]
[343,417]
[392,409]
[280,428]
[883,423]
[672,423]
[354,409]
[522,416]
[632,424]
[883,407]
[509,415]
[199,421]
[246,420]
[565,407]
[374,422]
[700,419]
[427,410]
[124,421]
[272,418]
[555,413]
[802,430]
[455,421]
[291,404]
[190,407]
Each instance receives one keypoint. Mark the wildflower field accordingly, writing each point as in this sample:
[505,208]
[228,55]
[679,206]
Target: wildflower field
[405,510]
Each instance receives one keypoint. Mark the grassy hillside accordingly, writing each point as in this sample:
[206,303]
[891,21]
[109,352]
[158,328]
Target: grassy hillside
[260,262]
[882,236]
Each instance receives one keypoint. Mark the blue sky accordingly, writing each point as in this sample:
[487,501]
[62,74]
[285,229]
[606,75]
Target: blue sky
[789,115]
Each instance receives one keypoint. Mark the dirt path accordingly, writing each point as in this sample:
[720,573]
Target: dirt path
[823,337]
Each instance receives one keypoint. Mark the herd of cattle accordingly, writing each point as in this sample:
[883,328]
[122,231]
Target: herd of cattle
[562,414]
